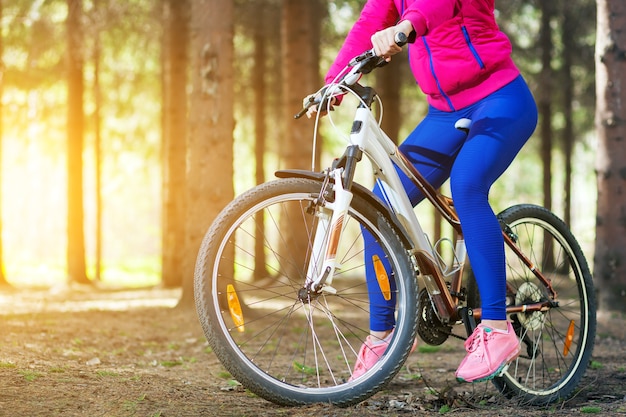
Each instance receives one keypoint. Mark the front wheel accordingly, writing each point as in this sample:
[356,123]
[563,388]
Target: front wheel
[281,342]
[556,343]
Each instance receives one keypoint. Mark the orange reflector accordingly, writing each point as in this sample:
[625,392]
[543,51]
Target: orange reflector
[234,307]
[569,337]
[381,276]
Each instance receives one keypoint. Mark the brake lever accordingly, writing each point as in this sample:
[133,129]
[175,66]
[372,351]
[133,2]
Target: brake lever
[365,67]
[305,108]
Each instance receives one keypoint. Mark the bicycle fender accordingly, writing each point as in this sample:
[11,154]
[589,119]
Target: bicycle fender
[357,189]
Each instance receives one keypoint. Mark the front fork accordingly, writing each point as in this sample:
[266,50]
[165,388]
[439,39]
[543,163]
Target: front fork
[331,221]
[330,225]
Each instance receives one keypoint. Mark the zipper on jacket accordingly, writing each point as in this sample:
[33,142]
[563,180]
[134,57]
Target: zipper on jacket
[432,71]
[471,47]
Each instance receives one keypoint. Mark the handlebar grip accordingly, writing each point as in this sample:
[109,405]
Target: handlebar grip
[400,39]
[310,99]
[300,113]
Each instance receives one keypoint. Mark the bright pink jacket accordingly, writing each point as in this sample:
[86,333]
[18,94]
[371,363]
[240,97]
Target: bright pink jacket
[459,57]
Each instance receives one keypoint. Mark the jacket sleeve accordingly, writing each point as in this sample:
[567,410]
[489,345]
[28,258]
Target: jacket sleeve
[425,15]
[376,15]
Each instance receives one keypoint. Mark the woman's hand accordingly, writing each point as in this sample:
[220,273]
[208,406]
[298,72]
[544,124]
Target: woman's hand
[314,107]
[384,41]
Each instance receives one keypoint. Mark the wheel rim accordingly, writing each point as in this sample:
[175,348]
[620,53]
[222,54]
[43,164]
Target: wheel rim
[316,355]
[551,358]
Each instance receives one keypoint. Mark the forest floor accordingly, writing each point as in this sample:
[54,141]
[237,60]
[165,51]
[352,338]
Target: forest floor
[87,352]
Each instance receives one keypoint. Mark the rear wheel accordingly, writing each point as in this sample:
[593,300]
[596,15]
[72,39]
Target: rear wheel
[556,343]
[282,343]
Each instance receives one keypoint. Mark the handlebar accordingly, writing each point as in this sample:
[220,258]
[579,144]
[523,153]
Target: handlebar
[361,64]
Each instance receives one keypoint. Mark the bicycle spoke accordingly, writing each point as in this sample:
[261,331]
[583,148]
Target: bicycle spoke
[292,342]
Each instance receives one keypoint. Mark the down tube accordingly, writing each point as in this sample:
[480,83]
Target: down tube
[391,184]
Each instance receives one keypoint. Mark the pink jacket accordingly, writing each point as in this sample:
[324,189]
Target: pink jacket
[459,57]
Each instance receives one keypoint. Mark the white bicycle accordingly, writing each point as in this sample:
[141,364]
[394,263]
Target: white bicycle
[280,278]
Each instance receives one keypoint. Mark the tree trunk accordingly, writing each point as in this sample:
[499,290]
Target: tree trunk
[300,30]
[260,130]
[300,57]
[545,99]
[388,87]
[567,29]
[275,70]
[175,64]
[75,130]
[317,12]
[211,125]
[97,140]
[610,255]
[3,279]
[545,108]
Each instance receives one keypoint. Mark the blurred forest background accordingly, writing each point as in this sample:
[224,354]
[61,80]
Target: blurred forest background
[128,124]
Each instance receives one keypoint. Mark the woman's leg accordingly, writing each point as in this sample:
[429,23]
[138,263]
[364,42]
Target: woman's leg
[432,148]
[501,125]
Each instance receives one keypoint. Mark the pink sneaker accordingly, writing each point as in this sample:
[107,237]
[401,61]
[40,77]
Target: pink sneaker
[371,351]
[489,353]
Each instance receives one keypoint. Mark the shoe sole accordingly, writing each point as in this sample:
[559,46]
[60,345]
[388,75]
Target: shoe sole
[498,372]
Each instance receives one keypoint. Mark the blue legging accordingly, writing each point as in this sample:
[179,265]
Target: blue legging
[501,125]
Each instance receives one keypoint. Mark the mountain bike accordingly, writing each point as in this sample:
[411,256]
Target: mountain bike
[280,277]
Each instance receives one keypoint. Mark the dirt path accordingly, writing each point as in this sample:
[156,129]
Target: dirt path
[129,353]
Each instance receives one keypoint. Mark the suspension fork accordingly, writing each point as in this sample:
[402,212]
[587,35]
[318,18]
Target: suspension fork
[330,225]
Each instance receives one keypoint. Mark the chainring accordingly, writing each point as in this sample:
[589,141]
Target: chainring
[429,327]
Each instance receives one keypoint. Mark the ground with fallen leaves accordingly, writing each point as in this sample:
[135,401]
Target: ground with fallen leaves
[88,352]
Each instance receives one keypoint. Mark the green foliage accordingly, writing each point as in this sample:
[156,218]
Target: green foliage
[129,35]
[520,20]
[224,375]
[299,367]
[588,409]
[34,97]
[131,405]
[33,37]
[30,375]
[171,364]
[104,373]
[428,349]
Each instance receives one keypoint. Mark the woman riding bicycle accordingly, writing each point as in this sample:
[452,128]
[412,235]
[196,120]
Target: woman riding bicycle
[462,62]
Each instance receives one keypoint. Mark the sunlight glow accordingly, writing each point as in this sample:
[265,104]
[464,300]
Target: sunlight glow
[62,300]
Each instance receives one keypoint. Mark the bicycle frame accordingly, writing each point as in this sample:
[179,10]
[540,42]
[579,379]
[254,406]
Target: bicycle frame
[384,155]
[270,257]
[367,136]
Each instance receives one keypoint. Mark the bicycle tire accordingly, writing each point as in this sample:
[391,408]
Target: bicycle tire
[550,367]
[314,365]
